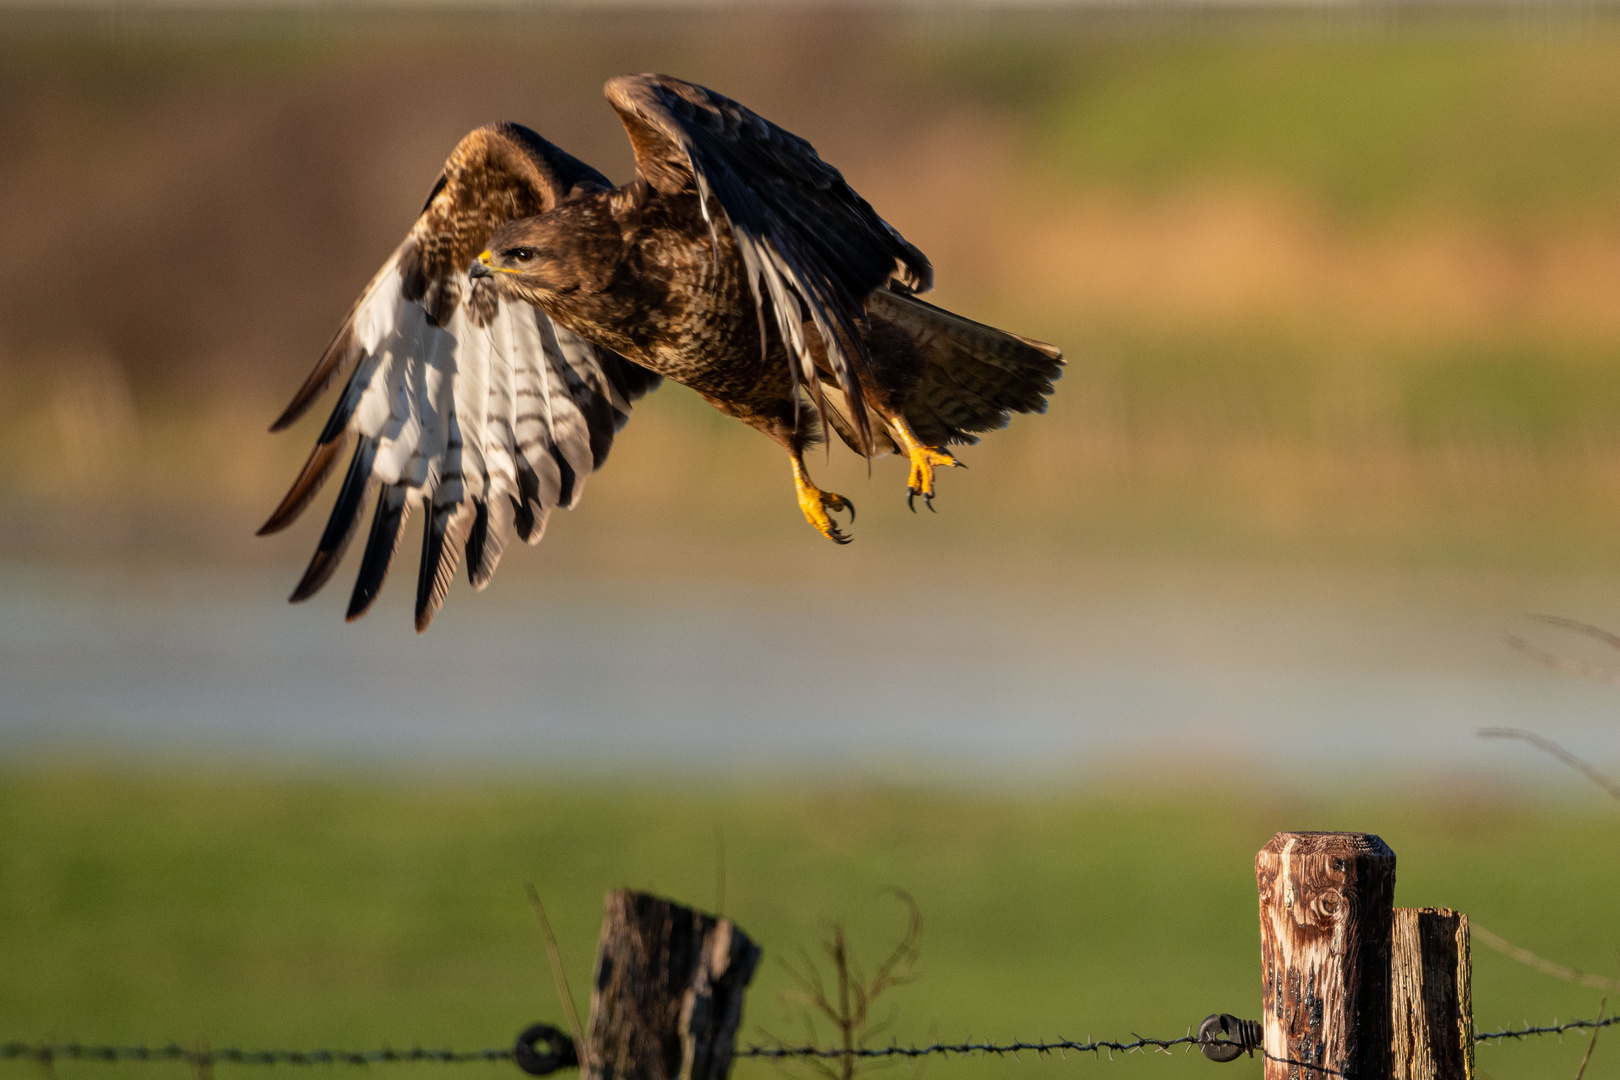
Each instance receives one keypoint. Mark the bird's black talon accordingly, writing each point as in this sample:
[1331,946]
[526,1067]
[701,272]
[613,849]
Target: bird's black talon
[911,499]
[834,533]
[928,500]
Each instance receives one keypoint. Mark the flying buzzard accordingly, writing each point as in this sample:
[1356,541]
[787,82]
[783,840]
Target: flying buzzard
[496,353]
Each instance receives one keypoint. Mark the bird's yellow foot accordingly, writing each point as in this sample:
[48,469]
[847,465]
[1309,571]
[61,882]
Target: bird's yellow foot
[816,503]
[924,459]
[921,482]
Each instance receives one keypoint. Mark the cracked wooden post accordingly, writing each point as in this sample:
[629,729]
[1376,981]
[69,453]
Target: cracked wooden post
[668,994]
[1433,1009]
[1326,915]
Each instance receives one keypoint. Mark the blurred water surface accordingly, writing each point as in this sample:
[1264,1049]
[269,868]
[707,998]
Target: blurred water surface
[988,678]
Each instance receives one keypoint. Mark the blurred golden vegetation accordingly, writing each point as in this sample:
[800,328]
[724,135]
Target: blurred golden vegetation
[1339,286]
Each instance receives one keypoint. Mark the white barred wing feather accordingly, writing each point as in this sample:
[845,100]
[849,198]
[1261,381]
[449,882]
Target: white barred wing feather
[488,419]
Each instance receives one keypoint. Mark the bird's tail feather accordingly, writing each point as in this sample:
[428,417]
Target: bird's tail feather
[974,376]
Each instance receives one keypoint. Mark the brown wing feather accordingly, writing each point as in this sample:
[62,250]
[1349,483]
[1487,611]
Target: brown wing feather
[809,244]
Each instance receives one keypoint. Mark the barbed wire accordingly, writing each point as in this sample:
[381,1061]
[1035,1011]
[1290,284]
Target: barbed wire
[209,1056]
[1058,1046]
[225,1055]
[1554,1028]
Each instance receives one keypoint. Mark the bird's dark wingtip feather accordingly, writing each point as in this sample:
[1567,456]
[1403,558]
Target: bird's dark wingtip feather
[432,555]
[477,541]
[387,528]
[492,527]
[319,571]
[314,474]
[337,355]
[289,416]
[341,526]
[442,544]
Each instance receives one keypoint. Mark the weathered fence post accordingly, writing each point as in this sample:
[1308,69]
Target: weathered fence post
[1326,914]
[668,993]
[1433,1007]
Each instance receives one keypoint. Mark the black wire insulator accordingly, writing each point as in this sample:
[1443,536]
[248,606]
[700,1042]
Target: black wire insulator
[560,1052]
[1241,1036]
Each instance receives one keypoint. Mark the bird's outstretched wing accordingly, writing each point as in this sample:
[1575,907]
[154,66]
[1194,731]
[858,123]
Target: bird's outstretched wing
[483,410]
[809,244]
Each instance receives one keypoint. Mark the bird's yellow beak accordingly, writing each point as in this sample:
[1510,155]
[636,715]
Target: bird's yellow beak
[485,266]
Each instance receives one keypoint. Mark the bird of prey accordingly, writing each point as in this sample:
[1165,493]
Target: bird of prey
[491,360]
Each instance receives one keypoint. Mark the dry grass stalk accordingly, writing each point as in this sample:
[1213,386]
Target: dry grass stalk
[554,954]
[1587,1057]
[719,870]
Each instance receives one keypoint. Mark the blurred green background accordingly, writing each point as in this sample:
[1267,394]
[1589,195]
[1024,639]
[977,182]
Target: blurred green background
[1340,292]
[304,910]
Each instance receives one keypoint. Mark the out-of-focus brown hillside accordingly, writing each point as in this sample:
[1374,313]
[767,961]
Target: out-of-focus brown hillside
[200,200]
[1301,317]
[203,201]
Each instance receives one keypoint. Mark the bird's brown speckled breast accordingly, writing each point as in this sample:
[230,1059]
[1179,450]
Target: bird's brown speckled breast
[678,304]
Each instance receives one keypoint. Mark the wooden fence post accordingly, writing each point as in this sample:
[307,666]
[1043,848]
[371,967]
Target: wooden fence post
[1326,915]
[1433,1007]
[668,993]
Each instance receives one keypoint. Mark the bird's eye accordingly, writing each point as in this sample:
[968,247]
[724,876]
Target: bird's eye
[521,254]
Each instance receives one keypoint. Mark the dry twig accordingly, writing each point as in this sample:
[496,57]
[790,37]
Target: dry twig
[848,1008]
[1600,674]
[1565,664]
[1605,782]
[1541,964]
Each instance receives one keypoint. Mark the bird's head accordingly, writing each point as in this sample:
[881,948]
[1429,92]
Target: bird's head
[549,258]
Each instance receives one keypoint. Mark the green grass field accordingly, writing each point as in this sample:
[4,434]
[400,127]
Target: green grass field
[303,910]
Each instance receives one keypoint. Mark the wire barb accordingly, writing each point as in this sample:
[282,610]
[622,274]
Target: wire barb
[1545,1029]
